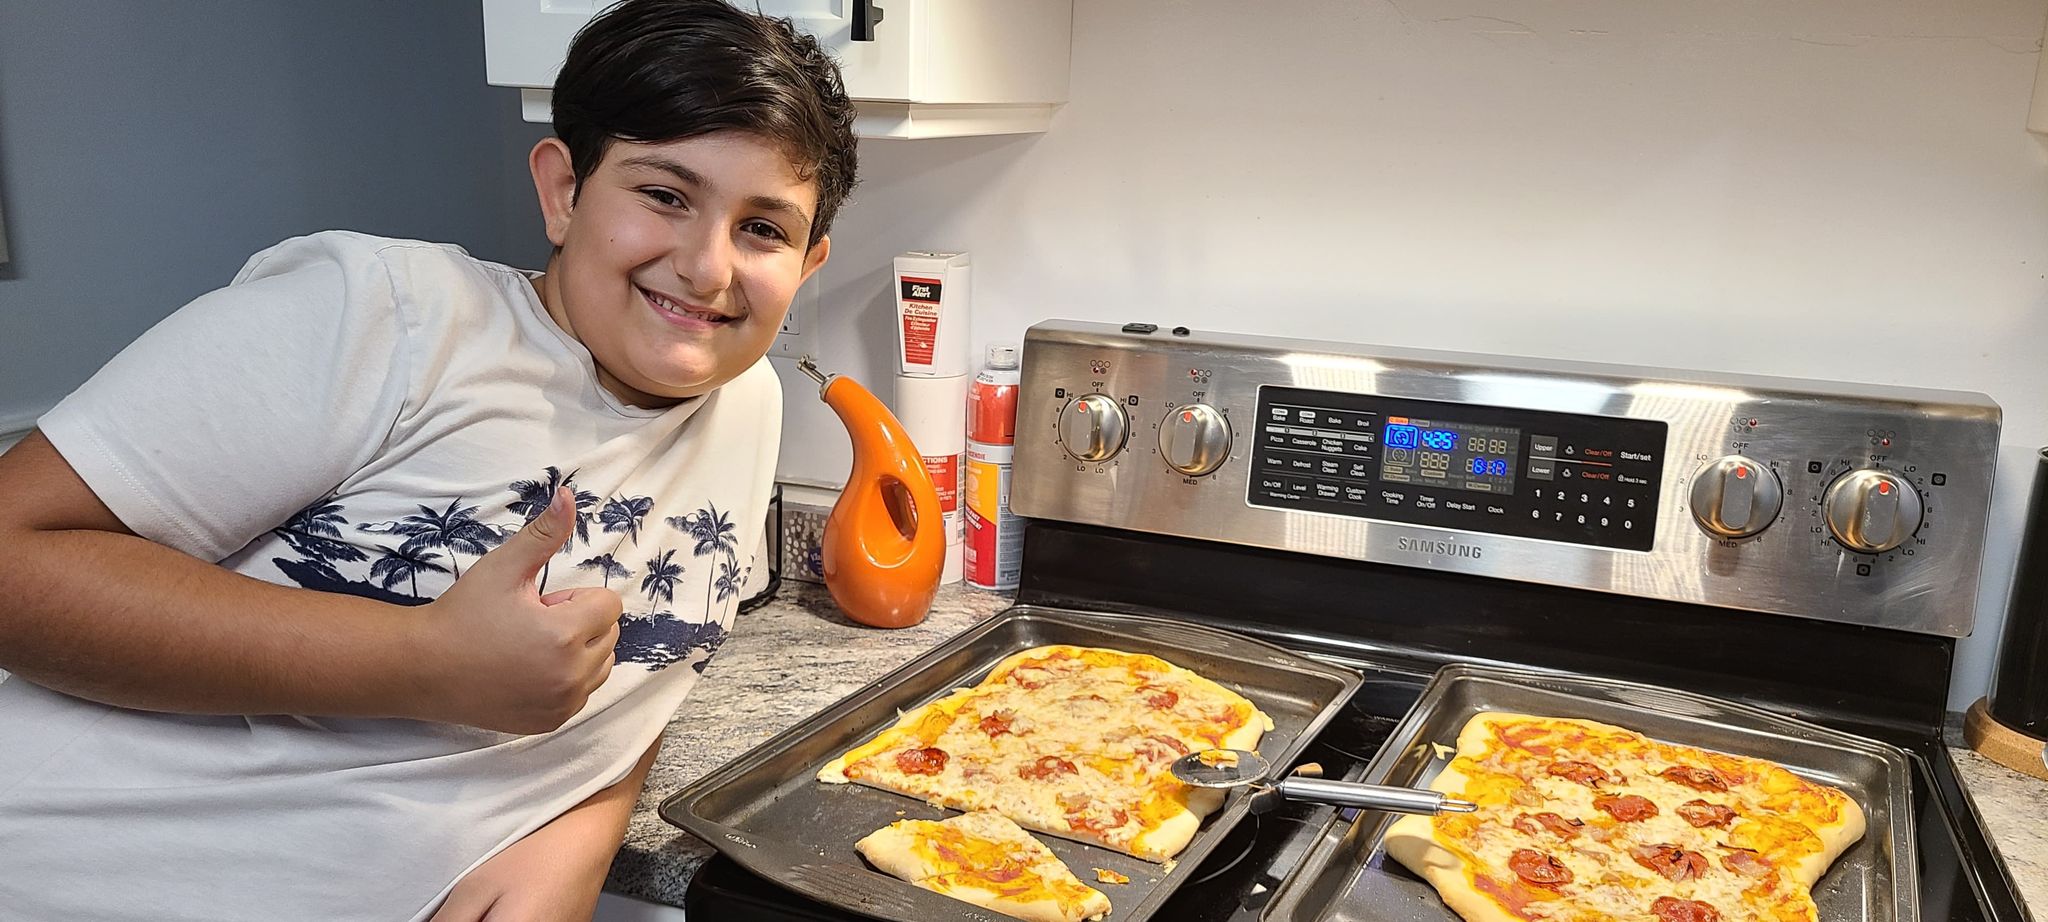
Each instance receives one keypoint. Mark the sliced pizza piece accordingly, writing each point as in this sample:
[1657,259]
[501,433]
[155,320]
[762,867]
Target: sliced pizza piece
[984,859]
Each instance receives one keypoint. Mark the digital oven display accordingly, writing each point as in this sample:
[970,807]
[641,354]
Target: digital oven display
[1466,456]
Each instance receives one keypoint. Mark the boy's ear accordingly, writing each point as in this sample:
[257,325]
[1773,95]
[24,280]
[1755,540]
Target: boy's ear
[554,180]
[816,257]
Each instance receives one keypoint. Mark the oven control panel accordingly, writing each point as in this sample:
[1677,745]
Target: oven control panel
[1846,502]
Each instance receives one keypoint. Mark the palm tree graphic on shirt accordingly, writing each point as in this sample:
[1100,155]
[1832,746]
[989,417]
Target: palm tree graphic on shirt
[713,532]
[454,529]
[404,562]
[610,566]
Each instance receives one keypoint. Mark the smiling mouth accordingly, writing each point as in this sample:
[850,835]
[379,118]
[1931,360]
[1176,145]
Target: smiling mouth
[677,309]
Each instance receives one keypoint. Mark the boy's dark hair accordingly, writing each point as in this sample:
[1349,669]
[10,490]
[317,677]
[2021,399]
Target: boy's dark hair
[662,70]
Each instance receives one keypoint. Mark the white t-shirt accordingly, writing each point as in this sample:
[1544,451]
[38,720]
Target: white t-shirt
[356,414]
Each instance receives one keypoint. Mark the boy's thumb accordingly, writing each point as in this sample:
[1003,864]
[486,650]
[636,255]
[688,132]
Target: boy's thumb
[523,554]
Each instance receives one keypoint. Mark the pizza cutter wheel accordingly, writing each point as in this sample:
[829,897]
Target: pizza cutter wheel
[1234,768]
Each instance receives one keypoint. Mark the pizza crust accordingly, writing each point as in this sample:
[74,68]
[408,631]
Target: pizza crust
[902,850]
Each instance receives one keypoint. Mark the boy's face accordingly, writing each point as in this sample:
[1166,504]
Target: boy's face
[677,259]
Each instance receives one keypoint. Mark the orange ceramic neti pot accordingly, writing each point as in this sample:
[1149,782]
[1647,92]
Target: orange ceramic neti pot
[885,543]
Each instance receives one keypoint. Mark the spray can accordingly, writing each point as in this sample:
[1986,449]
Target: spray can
[995,535]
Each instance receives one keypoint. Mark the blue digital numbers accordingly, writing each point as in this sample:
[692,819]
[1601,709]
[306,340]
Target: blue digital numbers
[1401,436]
[1440,439]
[1498,467]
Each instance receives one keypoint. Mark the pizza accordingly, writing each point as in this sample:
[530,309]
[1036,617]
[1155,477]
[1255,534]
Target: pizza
[1070,741]
[984,859]
[1585,821]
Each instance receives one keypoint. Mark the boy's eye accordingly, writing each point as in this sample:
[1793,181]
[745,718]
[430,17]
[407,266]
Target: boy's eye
[663,196]
[763,230]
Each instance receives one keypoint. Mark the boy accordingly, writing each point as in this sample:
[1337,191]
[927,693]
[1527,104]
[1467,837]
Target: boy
[483,526]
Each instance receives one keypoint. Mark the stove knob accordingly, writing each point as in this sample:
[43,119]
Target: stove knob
[1195,439]
[1735,497]
[1871,510]
[1093,427]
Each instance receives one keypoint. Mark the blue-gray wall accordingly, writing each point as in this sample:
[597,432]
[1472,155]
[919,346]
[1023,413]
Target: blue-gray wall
[148,147]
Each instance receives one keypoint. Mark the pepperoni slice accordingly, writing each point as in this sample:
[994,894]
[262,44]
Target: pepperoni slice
[1703,815]
[1538,869]
[1047,767]
[1673,909]
[1162,698]
[1699,779]
[1170,743]
[1116,818]
[1676,864]
[1627,808]
[998,723]
[1585,773]
[1556,825]
[1745,862]
[1003,874]
[927,761]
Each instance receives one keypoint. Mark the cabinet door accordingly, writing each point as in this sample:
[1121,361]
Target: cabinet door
[525,40]
[871,39]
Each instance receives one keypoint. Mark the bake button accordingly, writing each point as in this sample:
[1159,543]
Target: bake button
[1542,468]
[1543,446]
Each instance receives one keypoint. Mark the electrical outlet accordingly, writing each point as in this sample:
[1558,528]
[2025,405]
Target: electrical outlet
[800,324]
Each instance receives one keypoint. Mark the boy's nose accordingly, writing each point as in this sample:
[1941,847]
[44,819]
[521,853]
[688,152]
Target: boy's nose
[703,260]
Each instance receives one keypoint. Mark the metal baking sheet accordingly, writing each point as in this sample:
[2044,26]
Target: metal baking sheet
[1348,877]
[768,812]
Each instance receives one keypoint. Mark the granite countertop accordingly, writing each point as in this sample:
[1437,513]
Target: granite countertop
[798,654]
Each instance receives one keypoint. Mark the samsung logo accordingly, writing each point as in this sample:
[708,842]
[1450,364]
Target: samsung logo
[1439,548]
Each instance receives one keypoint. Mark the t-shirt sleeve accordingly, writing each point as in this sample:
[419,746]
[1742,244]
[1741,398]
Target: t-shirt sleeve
[247,404]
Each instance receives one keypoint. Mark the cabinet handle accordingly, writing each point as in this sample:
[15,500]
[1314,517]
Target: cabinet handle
[865,15]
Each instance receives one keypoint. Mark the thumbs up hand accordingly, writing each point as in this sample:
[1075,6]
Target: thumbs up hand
[512,659]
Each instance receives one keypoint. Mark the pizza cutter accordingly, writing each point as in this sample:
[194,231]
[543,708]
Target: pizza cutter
[1236,768]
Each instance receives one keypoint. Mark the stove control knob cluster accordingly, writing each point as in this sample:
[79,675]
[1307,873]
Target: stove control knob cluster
[1093,427]
[1194,439]
[1871,510]
[1736,497]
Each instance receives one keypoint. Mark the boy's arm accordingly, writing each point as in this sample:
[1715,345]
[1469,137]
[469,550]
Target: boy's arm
[556,871]
[90,609]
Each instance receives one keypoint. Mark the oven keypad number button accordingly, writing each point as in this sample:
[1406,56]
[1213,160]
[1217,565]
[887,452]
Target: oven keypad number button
[1093,427]
[1195,439]
[1871,511]
[1736,497]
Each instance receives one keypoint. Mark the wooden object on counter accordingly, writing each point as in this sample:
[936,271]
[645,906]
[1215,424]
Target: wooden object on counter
[2004,745]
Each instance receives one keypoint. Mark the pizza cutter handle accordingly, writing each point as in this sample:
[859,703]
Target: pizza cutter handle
[1371,796]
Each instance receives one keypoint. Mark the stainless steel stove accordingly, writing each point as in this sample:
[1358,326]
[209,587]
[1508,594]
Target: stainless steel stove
[1809,548]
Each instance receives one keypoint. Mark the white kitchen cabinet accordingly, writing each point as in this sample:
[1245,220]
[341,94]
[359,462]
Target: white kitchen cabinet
[915,68]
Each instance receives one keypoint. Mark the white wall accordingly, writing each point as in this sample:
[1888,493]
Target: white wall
[1818,188]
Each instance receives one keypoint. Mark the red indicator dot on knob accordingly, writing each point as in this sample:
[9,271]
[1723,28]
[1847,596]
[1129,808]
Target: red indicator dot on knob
[1741,473]
[1187,416]
[1884,489]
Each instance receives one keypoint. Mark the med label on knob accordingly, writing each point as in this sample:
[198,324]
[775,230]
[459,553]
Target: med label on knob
[1093,427]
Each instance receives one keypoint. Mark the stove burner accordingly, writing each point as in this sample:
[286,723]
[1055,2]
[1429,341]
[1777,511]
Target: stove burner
[1237,845]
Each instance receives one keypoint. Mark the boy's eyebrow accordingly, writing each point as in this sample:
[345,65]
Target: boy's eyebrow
[789,209]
